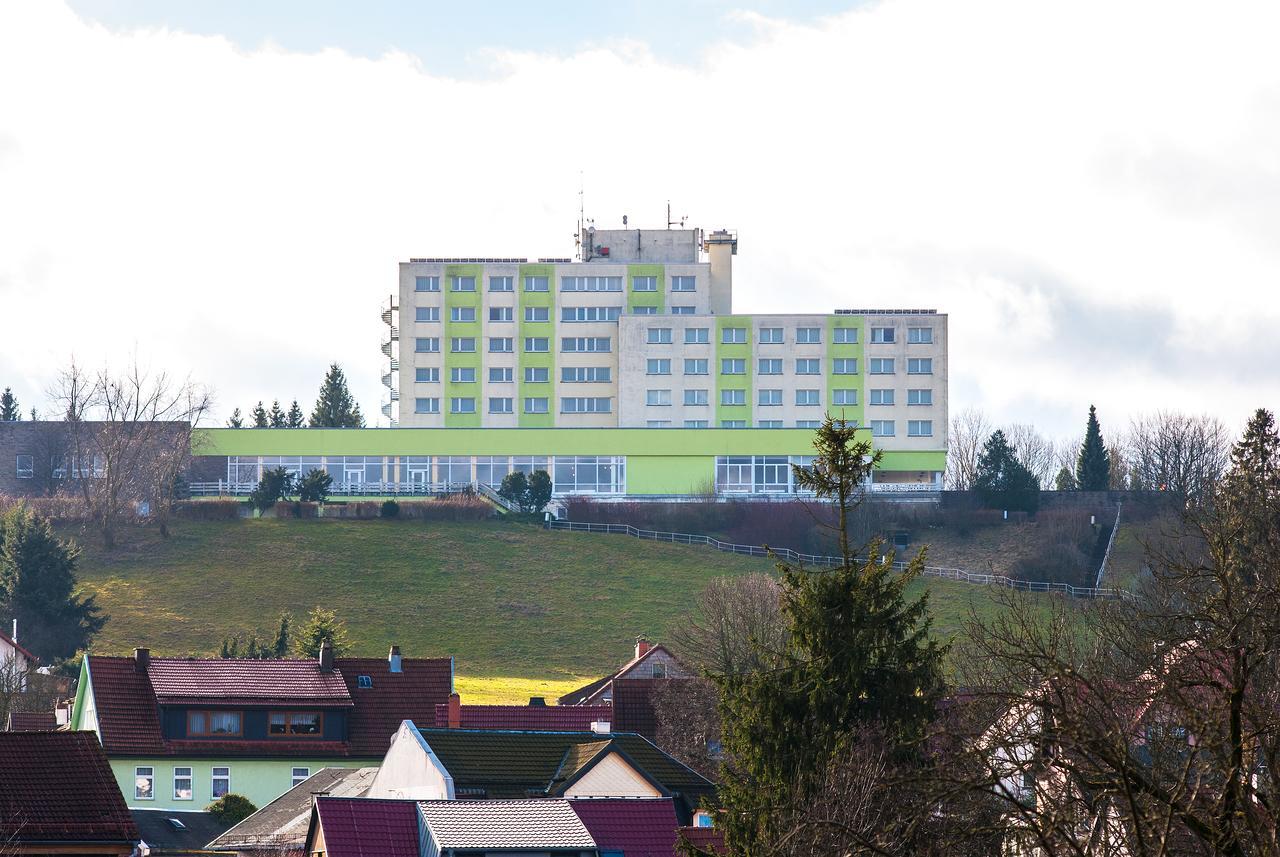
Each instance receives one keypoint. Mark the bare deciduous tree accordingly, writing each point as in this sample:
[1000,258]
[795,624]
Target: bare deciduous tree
[738,624]
[969,431]
[129,437]
[1036,452]
[688,722]
[1181,453]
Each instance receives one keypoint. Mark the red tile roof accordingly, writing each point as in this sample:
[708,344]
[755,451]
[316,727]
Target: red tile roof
[361,827]
[411,694]
[32,721]
[633,705]
[41,803]
[708,840]
[128,717]
[528,718]
[591,693]
[229,681]
[638,827]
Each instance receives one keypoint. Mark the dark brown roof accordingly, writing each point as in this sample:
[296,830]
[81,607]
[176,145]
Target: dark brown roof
[128,717]
[32,721]
[545,718]
[232,681]
[592,693]
[411,694]
[633,709]
[365,827]
[40,802]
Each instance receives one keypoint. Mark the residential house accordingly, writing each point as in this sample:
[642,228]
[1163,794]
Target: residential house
[356,827]
[447,764]
[31,721]
[630,827]
[181,732]
[536,716]
[171,833]
[650,662]
[15,662]
[59,796]
[280,827]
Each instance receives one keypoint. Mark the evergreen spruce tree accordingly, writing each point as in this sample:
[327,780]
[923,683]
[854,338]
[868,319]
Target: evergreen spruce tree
[9,410]
[281,647]
[259,415]
[276,417]
[1247,499]
[321,625]
[236,421]
[1093,467]
[859,663]
[1065,480]
[295,418]
[1003,482]
[335,408]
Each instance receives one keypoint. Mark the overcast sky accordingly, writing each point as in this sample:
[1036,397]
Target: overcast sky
[1090,190]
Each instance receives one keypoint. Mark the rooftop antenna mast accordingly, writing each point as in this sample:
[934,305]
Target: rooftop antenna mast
[583,223]
[671,222]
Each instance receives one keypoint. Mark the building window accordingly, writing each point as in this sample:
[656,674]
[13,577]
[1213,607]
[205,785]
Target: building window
[462,344]
[644,310]
[589,474]
[537,375]
[307,723]
[58,466]
[26,466]
[220,783]
[536,284]
[733,336]
[500,284]
[571,314]
[586,405]
[770,366]
[696,366]
[657,398]
[657,366]
[144,783]
[501,313]
[695,423]
[882,428]
[844,366]
[182,784]
[920,366]
[585,374]
[584,344]
[499,406]
[301,775]
[426,284]
[881,397]
[657,423]
[845,336]
[462,314]
[535,405]
[500,344]
[462,284]
[536,344]
[807,424]
[462,375]
[426,406]
[695,397]
[426,344]
[591,284]
[363,682]
[426,313]
[746,474]
[658,336]
[808,335]
[768,424]
[462,405]
[771,336]
[697,335]
[882,335]
[644,284]
[733,424]
[919,397]
[769,398]
[920,335]
[809,366]
[678,309]
[733,366]
[537,313]
[683,283]
[500,374]
[807,397]
[919,428]
[844,397]
[881,365]
[733,397]
[214,723]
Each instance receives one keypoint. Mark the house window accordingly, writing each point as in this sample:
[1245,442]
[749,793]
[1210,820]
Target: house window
[920,335]
[678,309]
[919,397]
[771,366]
[590,313]
[144,784]
[462,375]
[702,818]
[500,374]
[537,374]
[844,397]
[882,428]
[463,284]
[657,423]
[591,284]
[920,366]
[919,428]
[695,423]
[807,397]
[462,314]
[499,405]
[58,466]
[808,335]
[644,284]
[362,681]
[292,723]
[536,344]
[301,775]
[644,310]
[537,313]
[581,344]
[657,398]
[220,784]
[845,336]
[844,366]
[769,424]
[733,366]
[809,366]
[695,397]
[807,424]
[462,405]
[881,365]
[220,724]
[733,424]
[426,406]
[882,397]
[882,335]
[585,374]
[733,397]
[536,284]
[682,284]
[658,336]
[426,313]
[766,398]
[463,344]
[657,366]
[182,784]
[426,374]
[500,344]
[535,405]
[770,336]
[733,335]
[695,366]
[426,284]
[501,313]
[659,670]
[426,344]
[586,405]
[26,466]
[500,284]
[697,335]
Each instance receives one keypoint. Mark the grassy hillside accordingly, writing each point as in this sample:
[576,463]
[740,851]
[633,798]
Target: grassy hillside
[524,611]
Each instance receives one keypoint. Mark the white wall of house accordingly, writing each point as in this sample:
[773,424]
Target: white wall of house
[612,777]
[411,770]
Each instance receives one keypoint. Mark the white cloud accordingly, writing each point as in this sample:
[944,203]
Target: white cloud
[1090,189]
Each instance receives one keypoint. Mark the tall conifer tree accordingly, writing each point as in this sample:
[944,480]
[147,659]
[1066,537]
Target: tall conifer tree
[236,420]
[1093,467]
[259,415]
[335,408]
[9,410]
[295,417]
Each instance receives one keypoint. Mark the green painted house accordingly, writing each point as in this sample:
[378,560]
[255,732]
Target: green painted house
[180,732]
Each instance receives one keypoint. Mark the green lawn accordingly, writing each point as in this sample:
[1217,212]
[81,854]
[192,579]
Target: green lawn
[525,611]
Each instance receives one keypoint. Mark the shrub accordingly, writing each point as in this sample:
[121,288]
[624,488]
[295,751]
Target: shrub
[276,484]
[314,486]
[207,510]
[61,508]
[389,509]
[231,808]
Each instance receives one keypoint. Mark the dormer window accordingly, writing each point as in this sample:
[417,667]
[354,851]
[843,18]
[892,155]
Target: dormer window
[364,681]
[295,724]
[214,724]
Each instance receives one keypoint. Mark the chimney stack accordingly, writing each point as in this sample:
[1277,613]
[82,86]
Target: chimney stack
[393,660]
[538,701]
[141,660]
[326,657]
[455,711]
[642,647]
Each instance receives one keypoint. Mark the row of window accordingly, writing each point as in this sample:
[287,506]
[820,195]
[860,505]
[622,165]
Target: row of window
[682,283]
[879,428]
[804,335]
[506,405]
[506,344]
[144,782]
[80,467]
[280,724]
[772,397]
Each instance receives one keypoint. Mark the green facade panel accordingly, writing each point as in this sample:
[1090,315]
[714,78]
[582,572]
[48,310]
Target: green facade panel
[671,474]
[846,382]
[545,360]
[454,360]
[647,299]
[733,382]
